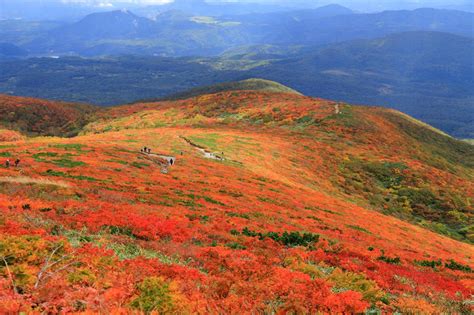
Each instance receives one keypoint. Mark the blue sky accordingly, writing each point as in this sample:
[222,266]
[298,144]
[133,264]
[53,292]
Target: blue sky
[275,1]
[116,1]
[355,4]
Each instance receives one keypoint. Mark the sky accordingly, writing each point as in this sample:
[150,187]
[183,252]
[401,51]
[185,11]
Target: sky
[358,5]
[72,10]
[116,1]
[393,2]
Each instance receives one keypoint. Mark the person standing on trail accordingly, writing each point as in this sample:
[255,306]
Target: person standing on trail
[17,162]
[7,163]
[149,150]
[145,149]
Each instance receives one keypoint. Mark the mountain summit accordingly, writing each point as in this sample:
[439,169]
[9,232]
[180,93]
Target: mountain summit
[112,25]
[244,85]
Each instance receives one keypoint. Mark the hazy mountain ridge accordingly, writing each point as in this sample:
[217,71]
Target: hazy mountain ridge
[180,33]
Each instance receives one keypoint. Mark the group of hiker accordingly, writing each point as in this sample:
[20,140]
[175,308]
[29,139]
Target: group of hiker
[8,163]
[145,150]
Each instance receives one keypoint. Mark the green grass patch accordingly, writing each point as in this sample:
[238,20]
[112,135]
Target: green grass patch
[140,164]
[118,161]
[235,245]
[70,146]
[210,200]
[208,140]
[66,175]
[358,228]
[40,157]
[238,215]
[63,161]
[118,230]
[67,163]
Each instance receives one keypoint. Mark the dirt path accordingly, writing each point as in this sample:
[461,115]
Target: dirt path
[171,159]
[164,161]
[205,153]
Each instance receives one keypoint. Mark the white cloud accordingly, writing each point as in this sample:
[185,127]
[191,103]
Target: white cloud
[108,3]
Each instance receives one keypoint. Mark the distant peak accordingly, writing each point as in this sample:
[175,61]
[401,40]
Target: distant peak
[334,7]
[122,12]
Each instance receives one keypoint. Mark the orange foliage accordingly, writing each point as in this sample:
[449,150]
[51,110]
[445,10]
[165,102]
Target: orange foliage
[208,236]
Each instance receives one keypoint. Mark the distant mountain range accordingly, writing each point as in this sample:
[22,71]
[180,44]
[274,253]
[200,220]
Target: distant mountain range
[202,7]
[179,33]
[70,11]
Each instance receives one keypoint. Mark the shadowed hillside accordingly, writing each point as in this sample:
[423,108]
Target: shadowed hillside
[40,117]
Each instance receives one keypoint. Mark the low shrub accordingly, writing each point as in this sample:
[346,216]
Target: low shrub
[457,266]
[389,260]
[155,296]
[290,239]
[429,263]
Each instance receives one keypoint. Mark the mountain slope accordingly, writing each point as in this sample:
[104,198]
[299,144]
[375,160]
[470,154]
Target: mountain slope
[296,215]
[8,50]
[319,120]
[41,117]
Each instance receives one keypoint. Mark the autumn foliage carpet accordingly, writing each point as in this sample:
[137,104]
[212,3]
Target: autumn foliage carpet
[317,207]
